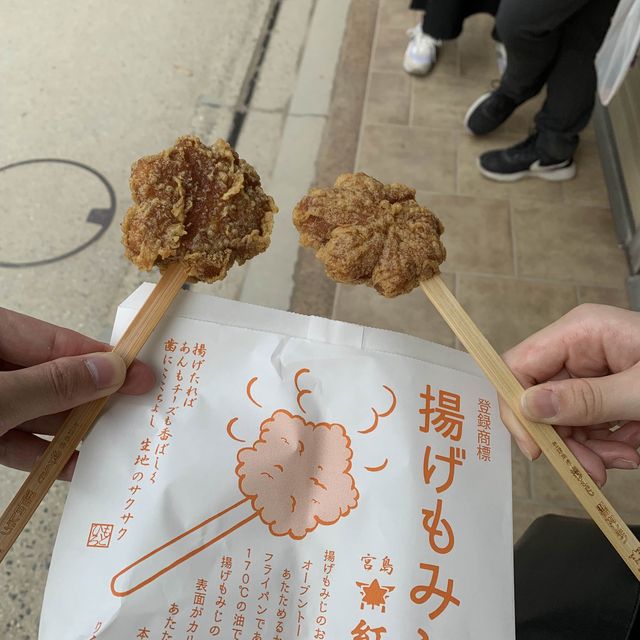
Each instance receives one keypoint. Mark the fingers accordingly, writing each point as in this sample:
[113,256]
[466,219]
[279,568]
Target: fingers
[628,433]
[26,341]
[616,448]
[614,454]
[58,385]
[22,450]
[44,426]
[520,435]
[545,353]
[590,460]
[591,340]
[140,379]
[585,401]
[525,442]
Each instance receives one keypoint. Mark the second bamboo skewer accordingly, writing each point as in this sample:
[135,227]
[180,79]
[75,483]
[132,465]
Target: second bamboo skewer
[544,435]
[79,421]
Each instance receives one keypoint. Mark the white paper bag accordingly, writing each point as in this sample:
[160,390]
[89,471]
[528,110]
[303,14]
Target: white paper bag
[289,477]
[618,50]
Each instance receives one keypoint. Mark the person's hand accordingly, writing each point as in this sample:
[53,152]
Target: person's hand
[45,371]
[582,374]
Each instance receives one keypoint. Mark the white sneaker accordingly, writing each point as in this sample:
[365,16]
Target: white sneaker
[420,55]
[501,57]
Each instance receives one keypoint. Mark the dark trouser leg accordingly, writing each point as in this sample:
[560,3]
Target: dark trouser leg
[571,84]
[531,31]
[443,19]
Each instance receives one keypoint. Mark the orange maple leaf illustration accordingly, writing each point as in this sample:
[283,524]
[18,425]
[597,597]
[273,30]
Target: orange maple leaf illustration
[374,594]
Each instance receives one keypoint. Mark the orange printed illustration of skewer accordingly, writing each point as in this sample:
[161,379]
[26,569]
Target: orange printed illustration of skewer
[295,477]
[121,594]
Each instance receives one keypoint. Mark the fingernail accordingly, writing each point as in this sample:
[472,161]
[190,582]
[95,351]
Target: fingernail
[525,451]
[107,369]
[539,404]
[622,463]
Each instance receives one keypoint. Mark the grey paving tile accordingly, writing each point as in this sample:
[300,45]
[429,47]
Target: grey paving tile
[572,243]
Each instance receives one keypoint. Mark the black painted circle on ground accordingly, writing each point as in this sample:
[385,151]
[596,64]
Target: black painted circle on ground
[75,222]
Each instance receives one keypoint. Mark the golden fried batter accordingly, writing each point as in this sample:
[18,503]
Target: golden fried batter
[364,231]
[198,205]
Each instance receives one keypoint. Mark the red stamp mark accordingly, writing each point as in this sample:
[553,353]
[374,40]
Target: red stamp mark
[100,535]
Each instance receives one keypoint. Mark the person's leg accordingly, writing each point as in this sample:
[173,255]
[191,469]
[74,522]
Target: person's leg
[422,51]
[532,34]
[443,19]
[571,83]
[571,86]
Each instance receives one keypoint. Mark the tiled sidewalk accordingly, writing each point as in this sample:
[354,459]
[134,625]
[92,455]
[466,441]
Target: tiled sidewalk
[519,255]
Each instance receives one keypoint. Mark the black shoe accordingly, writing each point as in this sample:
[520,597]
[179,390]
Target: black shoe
[524,160]
[488,112]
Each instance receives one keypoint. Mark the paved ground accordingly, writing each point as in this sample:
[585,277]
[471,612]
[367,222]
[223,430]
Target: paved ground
[77,93]
[518,255]
[100,84]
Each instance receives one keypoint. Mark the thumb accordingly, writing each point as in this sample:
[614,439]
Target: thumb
[585,401]
[57,385]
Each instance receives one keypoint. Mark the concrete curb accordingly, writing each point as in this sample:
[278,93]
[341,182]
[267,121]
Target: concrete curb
[313,292]
[269,279]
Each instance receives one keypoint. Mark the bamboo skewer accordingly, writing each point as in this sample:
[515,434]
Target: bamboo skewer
[545,436]
[79,421]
